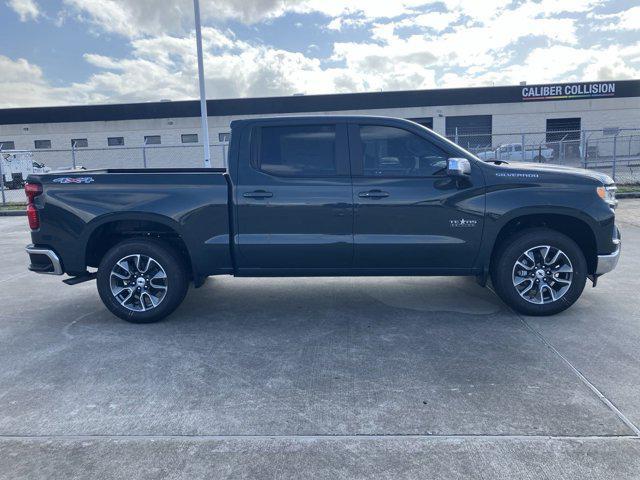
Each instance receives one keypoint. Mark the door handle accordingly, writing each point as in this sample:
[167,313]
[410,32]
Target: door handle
[373,194]
[258,194]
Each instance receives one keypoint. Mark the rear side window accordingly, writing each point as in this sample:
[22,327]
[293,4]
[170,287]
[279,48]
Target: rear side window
[299,151]
[395,152]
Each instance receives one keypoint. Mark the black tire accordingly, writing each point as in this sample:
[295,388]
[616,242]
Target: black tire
[503,273]
[175,280]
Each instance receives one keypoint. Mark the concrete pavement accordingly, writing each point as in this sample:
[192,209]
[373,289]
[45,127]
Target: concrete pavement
[324,378]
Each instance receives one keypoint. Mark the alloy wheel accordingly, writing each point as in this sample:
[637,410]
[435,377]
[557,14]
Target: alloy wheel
[138,282]
[543,274]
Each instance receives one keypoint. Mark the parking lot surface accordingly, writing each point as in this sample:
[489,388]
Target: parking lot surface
[319,377]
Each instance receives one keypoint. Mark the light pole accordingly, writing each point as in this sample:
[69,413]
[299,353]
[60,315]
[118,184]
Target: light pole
[203,94]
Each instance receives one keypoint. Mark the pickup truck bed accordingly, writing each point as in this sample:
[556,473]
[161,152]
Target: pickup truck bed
[191,202]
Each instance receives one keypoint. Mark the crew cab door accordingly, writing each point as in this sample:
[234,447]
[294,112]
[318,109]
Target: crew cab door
[294,198]
[409,215]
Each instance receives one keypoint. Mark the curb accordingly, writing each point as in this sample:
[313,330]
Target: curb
[13,213]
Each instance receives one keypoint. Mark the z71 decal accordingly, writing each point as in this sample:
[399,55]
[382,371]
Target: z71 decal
[73,179]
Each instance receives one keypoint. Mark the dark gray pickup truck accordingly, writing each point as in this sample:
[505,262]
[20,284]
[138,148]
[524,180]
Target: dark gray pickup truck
[326,196]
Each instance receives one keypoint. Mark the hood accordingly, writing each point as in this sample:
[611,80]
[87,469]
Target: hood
[543,167]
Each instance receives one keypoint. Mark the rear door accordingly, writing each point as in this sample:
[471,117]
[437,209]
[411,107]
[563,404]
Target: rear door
[294,197]
[409,215]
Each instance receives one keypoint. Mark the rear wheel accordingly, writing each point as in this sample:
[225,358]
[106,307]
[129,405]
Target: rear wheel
[539,272]
[142,280]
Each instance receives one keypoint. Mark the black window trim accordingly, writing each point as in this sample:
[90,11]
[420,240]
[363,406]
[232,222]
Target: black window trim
[357,168]
[341,161]
[35,144]
[182,135]
[117,145]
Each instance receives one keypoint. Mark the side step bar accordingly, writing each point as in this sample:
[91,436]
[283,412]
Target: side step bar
[85,277]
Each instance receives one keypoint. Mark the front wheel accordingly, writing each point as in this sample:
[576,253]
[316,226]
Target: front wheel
[539,272]
[142,280]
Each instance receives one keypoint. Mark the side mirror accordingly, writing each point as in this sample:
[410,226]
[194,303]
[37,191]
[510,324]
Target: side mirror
[458,167]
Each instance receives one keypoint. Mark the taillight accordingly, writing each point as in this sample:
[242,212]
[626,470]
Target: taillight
[32,190]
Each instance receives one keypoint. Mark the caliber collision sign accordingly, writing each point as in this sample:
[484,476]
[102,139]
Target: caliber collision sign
[569,91]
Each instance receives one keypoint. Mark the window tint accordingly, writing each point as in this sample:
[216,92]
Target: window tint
[7,145]
[42,143]
[152,139]
[394,152]
[79,142]
[303,151]
[189,138]
[115,141]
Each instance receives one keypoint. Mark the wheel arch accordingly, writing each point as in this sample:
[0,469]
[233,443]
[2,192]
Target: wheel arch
[105,232]
[572,226]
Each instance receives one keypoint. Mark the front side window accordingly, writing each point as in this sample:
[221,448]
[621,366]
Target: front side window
[302,151]
[395,152]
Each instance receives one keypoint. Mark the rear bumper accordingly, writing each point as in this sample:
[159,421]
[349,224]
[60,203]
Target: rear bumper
[43,260]
[606,263]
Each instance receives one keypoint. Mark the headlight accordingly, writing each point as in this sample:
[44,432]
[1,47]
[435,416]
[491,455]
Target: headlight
[608,194]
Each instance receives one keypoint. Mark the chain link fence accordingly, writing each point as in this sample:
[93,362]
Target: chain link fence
[15,166]
[615,152]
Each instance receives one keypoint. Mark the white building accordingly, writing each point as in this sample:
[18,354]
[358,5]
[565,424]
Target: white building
[479,118]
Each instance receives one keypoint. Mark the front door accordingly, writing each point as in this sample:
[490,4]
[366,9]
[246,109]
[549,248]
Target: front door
[409,215]
[294,198]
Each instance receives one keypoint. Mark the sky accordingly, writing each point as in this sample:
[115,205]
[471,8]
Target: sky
[77,52]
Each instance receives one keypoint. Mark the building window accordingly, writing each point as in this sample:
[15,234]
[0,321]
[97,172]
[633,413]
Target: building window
[152,140]
[189,138]
[562,129]
[472,132]
[115,141]
[42,144]
[7,145]
[224,137]
[79,143]
[424,121]
[301,151]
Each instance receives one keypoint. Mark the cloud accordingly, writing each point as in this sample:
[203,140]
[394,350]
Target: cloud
[409,44]
[22,85]
[625,20]
[26,9]
[135,18]
[166,66]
